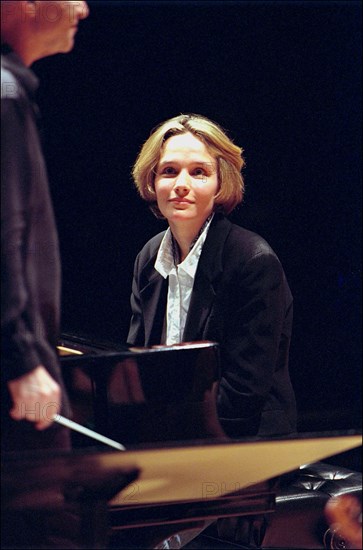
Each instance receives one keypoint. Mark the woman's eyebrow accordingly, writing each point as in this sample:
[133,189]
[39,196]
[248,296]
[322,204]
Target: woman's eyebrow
[199,162]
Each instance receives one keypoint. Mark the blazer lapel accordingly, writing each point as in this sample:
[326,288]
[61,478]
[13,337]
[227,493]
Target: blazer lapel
[153,297]
[210,268]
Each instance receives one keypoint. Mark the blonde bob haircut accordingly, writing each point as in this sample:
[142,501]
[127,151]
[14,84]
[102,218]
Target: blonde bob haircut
[229,159]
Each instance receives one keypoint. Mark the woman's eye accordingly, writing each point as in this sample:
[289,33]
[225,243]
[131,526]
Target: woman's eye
[199,172]
[168,171]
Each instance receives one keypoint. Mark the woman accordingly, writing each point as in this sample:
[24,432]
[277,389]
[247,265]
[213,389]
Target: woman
[208,279]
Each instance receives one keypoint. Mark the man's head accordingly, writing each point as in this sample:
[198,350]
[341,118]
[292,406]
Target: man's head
[36,29]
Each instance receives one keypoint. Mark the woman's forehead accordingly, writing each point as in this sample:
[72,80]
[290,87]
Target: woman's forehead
[185,144]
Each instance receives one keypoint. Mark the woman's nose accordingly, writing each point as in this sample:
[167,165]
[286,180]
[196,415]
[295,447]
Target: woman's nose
[182,183]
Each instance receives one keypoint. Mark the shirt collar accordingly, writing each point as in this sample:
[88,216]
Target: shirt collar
[165,261]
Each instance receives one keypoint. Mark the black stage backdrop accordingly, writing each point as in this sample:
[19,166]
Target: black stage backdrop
[284,79]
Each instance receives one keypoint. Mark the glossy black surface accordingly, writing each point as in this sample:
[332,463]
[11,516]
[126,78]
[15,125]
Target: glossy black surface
[143,395]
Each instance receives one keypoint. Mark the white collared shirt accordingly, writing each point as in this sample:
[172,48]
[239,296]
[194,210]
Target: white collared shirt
[181,281]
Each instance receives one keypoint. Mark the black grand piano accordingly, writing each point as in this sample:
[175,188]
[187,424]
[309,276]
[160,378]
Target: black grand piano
[179,471]
[145,398]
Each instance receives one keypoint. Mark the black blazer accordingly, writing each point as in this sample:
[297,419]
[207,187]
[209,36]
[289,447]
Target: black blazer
[241,300]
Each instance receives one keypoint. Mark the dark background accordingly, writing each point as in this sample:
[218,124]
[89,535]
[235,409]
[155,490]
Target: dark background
[284,79]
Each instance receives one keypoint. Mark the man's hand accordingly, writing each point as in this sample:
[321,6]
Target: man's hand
[36,397]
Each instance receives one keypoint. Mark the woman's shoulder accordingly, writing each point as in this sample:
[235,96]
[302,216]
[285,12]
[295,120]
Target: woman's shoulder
[246,250]
[151,247]
[247,241]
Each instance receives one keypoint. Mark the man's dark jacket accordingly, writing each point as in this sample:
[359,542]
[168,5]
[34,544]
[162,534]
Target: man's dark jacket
[241,300]
[30,263]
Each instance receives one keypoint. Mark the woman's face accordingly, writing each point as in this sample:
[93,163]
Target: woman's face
[186,180]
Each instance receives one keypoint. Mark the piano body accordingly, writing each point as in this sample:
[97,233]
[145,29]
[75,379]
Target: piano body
[137,397]
[143,395]
[179,469]
[153,398]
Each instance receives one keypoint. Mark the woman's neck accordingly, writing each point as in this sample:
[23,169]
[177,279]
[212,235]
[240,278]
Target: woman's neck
[184,239]
[185,236]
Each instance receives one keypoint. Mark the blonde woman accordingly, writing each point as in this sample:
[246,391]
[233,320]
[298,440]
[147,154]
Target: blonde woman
[205,278]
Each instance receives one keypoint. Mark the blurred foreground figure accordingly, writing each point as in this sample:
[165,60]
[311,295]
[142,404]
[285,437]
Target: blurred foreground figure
[32,388]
